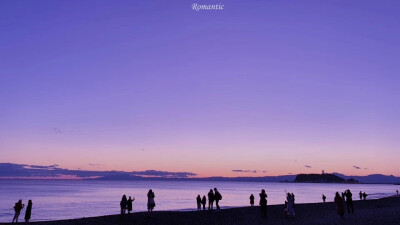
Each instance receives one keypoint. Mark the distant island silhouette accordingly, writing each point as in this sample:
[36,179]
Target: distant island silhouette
[322,178]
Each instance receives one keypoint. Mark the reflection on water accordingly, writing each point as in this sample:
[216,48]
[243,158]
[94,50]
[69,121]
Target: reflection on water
[65,199]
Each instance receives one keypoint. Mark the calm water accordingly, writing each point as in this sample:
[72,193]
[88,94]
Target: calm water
[61,199]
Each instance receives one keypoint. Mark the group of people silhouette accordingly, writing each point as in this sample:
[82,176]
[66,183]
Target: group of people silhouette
[213,196]
[339,201]
[18,208]
[126,204]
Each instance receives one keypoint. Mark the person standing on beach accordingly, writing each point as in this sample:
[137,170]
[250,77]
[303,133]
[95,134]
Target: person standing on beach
[28,211]
[263,203]
[252,200]
[339,203]
[17,209]
[130,201]
[150,201]
[349,201]
[364,196]
[211,198]
[218,197]
[360,194]
[290,205]
[123,204]
[203,202]
[198,199]
[323,198]
[397,191]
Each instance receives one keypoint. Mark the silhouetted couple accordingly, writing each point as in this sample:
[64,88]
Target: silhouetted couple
[17,210]
[201,201]
[289,205]
[263,203]
[126,204]
[339,203]
[214,196]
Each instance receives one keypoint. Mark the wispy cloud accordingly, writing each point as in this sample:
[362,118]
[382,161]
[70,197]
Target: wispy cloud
[35,171]
[357,167]
[307,166]
[249,171]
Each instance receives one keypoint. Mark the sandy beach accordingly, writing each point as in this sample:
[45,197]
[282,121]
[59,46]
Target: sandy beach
[380,211]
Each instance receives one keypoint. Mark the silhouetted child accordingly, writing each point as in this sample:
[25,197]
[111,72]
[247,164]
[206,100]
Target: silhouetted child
[130,200]
[349,201]
[263,203]
[217,197]
[123,204]
[323,198]
[17,209]
[252,200]
[203,202]
[198,200]
[361,195]
[364,195]
[28,211]
[339,203]
[211,198]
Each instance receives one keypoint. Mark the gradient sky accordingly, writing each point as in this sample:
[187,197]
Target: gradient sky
[276,86]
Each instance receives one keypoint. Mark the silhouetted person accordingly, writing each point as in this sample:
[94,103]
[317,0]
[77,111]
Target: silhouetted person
[17,209]
[204,202]
[150,201]
[339,203]
[323,198]
[211,198]
[130,200]
[364,195]
[397,191]
[263,203]
[198,200]
[218,197]
[28,211]
[252,200]
[349,201]
[343,196]
[123,204]
[361,195]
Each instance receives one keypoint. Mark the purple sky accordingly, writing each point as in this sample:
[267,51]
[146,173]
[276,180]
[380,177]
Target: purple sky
[276,86]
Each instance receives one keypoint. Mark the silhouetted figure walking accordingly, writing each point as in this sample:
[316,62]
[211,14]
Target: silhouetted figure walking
[28,211]
[17,209]
[349,201]
[361,195]
[130,201]
[364,195]
[150,201]
[339,203]
[204,202]
[211,198]
[218,197]
[323,198]
[252,200]
[123,204]
[198,200]
[263,203]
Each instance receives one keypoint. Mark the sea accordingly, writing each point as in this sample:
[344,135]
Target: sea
[67,199]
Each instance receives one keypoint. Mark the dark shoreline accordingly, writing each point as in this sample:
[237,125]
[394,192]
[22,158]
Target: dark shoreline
[378,211]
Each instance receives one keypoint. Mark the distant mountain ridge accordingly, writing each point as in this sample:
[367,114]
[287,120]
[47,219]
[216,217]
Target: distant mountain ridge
[372,179]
